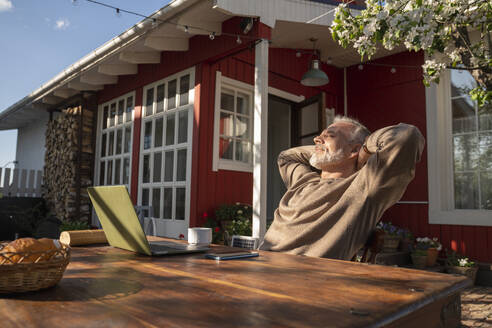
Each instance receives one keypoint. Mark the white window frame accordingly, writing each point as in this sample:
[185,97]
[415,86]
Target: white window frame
[188,145]
[99,134]
[223,81]
[440,161]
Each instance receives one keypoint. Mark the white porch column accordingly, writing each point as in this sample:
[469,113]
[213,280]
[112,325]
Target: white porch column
[260,140]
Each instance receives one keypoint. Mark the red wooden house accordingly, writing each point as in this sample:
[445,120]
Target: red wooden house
[195,103]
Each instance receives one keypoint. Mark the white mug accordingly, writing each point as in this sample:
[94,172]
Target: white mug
[199,236]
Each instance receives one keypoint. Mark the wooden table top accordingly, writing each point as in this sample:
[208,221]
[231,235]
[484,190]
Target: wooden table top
[109,287]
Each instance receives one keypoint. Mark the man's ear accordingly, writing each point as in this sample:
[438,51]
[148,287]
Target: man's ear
[355,150]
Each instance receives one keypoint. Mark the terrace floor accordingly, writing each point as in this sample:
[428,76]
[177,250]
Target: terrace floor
[476,307]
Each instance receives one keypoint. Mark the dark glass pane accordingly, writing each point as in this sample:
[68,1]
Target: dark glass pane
[121,109]
[112,114]
[105,117]
[180,203]
[145,200]
[160,98]
[158,132]
[117,172]
[171,95]
[225,148]
[111,143]
[181,165]
[227,101]
[102,174]
[156,202]
[109,179]
[168,203]
[129,109]
[170,123]
[149,102]
[486,190]
[168,166]
[157,167]
[485,150]
[103,145]
[126,171]
[128,139]
[184,87]
[242,105]
[182,126]
[148,135]
[465,191]
[485,118]
[146,169]
[465,152]
[464,119]
[119,140]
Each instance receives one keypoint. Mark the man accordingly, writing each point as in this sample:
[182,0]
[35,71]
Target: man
[334,199]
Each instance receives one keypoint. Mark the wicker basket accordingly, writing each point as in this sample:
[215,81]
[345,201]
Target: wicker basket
[45,271]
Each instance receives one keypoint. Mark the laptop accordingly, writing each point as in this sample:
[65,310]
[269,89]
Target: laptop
[122,227]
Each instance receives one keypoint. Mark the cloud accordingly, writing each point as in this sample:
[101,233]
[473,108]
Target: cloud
[61,24]
[5,5]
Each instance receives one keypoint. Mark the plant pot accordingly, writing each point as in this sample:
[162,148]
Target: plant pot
[390,243]
[470,272]
[432,256]
[419,261]
[405,245]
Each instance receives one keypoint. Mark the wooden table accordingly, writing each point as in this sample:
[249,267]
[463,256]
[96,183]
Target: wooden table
[108,287]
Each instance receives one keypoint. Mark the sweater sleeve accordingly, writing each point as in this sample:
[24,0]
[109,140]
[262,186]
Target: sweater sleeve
[293,164]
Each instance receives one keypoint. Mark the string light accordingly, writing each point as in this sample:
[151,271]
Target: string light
[298,54]
[238,40]
[186,29]
[360,67]
[393,70]
[212,36]
[118,13]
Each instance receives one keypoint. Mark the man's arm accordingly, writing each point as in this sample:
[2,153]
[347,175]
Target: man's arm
[293,164]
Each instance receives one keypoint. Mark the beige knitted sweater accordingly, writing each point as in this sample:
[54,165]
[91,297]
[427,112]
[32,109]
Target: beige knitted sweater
[334,217]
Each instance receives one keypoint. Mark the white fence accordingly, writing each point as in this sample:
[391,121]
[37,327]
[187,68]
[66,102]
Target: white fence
[20,183]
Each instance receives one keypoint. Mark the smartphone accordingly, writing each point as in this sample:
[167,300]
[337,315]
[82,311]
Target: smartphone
[230,255]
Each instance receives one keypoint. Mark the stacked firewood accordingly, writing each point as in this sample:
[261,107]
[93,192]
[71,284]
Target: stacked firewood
[68,164]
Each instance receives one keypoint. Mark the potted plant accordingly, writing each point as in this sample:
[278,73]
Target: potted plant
[217,232]
[460,264]
[407,240]
[234,219]
[391,237]
[419,254]
[433,249]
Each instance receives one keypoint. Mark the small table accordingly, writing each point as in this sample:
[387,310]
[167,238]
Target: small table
[108,287]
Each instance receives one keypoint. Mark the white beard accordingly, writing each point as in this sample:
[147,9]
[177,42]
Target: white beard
[318,161]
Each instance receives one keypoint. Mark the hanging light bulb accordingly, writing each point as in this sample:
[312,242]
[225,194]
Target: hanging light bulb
[186,29]
[154,22]
[360,67]
[393,70]
[118,12]
[238,40]
[314,77]
[298,54]
[212,36]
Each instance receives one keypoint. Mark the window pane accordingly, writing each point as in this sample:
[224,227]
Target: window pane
[121,109]
[146,169]
[465,152]
[117,167]
[465,191]
[145,200]
[168,166]
[119,141]
[126,171]
[243,152]
[128,139]
[182,126]
[157,167]
[461,82]
[227,100]
[105,117]
[103,145]
[160,98]
[158,132]
[148,135]
[149,102]
[226,124]
[171,95]
[242,103]
[485,150]
[485,120]
[464,119]
[242,127]
[111,143]
[181,165]
[180,203]
[112,114]
[184,86]
[225,148]
[170,129]
[101,174]
[156,202]
[486,189]
[109,179]
[168,203]
[129,109]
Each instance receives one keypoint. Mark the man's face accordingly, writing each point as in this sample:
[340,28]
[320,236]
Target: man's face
[332,145]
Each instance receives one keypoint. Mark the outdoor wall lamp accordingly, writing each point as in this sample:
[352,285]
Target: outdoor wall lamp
[314,77]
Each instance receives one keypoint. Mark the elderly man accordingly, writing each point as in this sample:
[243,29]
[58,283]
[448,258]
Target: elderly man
[334,199]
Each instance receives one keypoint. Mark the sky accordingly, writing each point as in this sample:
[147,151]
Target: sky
[43,37]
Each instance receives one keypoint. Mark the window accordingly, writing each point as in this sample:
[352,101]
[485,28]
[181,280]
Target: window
[166,149]
[115,131]
[460,153]
[233,134]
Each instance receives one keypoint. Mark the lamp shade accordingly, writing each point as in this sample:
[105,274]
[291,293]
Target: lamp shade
[315,77]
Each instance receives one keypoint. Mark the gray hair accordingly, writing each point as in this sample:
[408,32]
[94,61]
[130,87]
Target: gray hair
[359,132]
